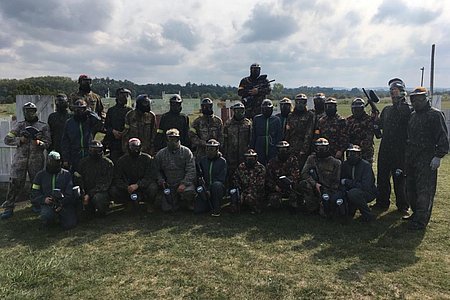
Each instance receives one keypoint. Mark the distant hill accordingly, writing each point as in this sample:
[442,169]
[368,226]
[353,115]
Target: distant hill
[52,85]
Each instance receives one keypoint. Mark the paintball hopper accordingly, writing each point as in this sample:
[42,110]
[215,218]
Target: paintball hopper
[31,132]
[134,197]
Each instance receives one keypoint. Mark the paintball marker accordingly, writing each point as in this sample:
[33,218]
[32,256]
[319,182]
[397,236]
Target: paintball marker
[372,98]
[168,195]
[30,132]
[246,98]
[201,187]
[56,197]
[235,198]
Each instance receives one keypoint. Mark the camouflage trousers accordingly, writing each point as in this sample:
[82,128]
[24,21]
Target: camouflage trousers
[311,201]
[17,183]
[278,200]
[421,184]
[252,198]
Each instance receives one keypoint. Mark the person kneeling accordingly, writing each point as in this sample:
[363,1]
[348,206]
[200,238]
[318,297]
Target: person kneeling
[94,176]
[211,177]
[134,179]
[358,181]
[175,168]
[53,188]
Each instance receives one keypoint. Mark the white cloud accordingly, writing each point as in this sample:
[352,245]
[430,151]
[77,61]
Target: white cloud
[298,42]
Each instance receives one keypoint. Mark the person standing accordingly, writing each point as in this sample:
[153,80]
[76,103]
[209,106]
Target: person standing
[266,133]
[391,155]
[173,119]
[31,137]
[332,127]
[285,110]
[360,129]
[236,134]
[253,90]
[93,100]
[206,127]
[300,130]
[115,124]
[79,131]
[140,123]
[57,121]
[427,145]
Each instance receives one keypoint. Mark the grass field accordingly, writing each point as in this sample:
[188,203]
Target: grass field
[269,256]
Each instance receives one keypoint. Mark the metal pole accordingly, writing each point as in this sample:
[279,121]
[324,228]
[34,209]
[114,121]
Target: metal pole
[432,70]
[421,78]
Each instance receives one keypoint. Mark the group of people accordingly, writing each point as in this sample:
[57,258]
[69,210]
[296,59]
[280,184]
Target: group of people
[313,161]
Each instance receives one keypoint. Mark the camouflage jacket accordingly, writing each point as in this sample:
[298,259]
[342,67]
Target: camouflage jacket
[30,150]
[333,129]
[328,169]
[360,132]
[317,117]
[427,135]
[299,131]
[176,167]
[277,168]
[236,138]
[142,126]
[253,179]
[253,103]
[93,100]
[204,128]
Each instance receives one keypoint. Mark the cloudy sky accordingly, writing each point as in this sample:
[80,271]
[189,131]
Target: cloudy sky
[345,43]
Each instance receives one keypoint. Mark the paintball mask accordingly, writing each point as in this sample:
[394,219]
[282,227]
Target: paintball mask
[206,107]
[79,110]
[331,107]
[419,98]
[285,106]
[53,162]
[85,83]
[95,149]
[134,147]
[255,70]
[319,102]
[175,104]
[212,149]
[123,95]
[238,111]
[397,90]
[283,150]
[267,108]
[143,103]
[29,110]
[173,139]
[322,148]
[300,102]
[358,108]
[353,154]
[61,103]
[250,158]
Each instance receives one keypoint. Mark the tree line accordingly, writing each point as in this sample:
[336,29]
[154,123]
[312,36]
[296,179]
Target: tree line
[52,85]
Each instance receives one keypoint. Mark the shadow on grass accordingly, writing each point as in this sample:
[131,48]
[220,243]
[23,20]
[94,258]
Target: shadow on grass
[382,245]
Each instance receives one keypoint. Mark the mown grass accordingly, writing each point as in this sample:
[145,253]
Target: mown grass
[270,256]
